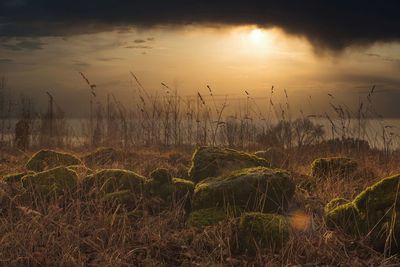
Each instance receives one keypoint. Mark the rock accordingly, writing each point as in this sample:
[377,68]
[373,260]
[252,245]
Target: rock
[333,167]
[169,190]
[212,162]
[161,176]
[81,170]
[262,230]
[346,217]
[15,177]
[113,180]
[206,217]
[54,181]
[116,185]
[103,156]
[253,189]
[373,212]
[48,159]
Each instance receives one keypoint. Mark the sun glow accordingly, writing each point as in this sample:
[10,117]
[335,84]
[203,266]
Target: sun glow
[257,36]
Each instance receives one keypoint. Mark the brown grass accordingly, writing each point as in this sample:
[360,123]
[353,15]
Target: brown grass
[78,231]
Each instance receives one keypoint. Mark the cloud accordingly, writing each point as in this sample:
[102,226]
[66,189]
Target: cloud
[29,45]
[107,59]
[79,63]
[326,24]
[139,41]
[138,47]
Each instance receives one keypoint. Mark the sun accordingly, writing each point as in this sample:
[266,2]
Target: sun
[257,35]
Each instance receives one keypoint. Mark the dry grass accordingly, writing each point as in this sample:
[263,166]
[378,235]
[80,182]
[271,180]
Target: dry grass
[75,230]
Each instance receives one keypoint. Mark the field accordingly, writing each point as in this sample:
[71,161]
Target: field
[77,230]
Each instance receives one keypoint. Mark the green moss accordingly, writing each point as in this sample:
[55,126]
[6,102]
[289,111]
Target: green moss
[15,177]
[212,162]
[380,195]
[53,181]
[47,159]
[112,180]
[372,213]
[175,191]
[254,189]
[347,218]
[206,217]
[262,230]
[334,203]
[333,167]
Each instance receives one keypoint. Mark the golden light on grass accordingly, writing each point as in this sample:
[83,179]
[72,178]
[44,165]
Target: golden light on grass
[300,221]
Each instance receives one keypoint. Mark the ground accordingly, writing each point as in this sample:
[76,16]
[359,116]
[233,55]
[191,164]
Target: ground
[77,231]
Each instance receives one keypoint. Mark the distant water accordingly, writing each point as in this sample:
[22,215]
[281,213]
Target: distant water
[379,133]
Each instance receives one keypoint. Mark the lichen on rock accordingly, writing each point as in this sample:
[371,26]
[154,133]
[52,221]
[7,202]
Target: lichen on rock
[262,230]
[212,162]
[48,159]
[254,189]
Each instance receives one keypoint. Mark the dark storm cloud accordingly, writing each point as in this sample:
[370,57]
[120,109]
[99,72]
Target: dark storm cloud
[332,24]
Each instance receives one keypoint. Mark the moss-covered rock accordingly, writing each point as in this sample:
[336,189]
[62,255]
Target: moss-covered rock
[253,189]
[113,180]
[334,203]
[48,159]
[176,190]
[373,212]
[206,217]
[81,170]
[262,230]
[54,181]
[103,156]
[333,167]
[212,162]
[346,217]
[15,177]
[161,175]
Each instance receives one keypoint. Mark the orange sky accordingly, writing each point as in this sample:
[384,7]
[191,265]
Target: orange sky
[229,59]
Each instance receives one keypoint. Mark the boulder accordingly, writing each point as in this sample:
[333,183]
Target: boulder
[169,190]
[123,186]
[15,177]
[54,181]
[373,212]
[253,189]
[48,159]
[262,231]
[212,162]
[333,167]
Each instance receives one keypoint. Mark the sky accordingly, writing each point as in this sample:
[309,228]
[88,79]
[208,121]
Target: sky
[312,49]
